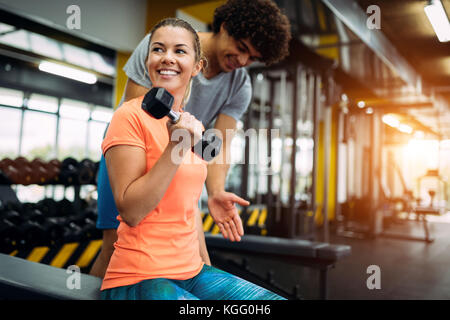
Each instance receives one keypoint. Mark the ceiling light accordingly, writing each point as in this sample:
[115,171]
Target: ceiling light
[438,19]
[405,128]
[68,72]
[361,104]
[391,121]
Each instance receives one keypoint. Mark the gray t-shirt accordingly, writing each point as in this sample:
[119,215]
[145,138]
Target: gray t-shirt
[228,93]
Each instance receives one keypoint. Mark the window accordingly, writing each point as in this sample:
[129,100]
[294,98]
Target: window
[39,133]
[43,103]
[73,109]
[45,46]
[96,133]
[11,97]
[9,132]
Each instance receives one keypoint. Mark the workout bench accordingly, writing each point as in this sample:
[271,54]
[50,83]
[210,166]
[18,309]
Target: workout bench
[26,280]
[23,279]
[317,255]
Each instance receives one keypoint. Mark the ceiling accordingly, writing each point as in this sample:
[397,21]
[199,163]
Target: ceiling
[406,26]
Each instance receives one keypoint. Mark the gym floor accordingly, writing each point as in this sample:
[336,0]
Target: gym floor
[409,269]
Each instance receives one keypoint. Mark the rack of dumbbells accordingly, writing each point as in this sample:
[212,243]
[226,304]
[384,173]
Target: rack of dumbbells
[59,233]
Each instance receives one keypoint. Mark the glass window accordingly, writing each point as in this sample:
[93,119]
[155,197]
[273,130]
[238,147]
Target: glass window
[45,46]
[9,132]
[76,55]
[43,103]
[17,39]
[6,28]
[96,133]
[101,65]
[11,97]
[103,114]
[72,139]
[74,109]
[39,132]
[31,193]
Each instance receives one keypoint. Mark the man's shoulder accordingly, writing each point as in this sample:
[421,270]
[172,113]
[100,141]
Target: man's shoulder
[242,74]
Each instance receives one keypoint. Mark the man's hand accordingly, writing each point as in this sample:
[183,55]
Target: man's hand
[225,214]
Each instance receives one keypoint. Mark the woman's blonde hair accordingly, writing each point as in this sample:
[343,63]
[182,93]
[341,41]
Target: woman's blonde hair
[176,22]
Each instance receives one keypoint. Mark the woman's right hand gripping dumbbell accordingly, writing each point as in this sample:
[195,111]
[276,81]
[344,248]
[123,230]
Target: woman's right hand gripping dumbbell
[185,133]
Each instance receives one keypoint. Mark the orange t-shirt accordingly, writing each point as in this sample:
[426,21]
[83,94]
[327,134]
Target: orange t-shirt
[165,243]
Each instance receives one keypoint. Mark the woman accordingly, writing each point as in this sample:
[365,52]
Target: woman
[158,254]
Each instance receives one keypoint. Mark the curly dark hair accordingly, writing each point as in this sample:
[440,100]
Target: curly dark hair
[261,21]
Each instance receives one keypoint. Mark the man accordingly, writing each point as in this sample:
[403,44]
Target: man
[243,32]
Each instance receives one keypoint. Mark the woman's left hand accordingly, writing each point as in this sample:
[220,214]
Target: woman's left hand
[225,214]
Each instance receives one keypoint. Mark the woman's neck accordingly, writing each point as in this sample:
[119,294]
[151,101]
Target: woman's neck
[177,103]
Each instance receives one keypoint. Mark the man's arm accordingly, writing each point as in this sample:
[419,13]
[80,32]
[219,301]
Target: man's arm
[218,167]
[221,204]
[133,90]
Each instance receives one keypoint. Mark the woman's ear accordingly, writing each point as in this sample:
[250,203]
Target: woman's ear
[197,68]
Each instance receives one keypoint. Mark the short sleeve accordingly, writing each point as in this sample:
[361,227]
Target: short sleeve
[125,129]
[135,67]
[236,106]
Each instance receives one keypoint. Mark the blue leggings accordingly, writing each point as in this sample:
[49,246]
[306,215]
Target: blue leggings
[210,284]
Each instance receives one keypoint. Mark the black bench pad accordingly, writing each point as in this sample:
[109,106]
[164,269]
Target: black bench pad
[23,279]
[280,246]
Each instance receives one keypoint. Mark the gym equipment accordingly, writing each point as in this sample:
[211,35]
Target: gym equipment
[87,171]
[22,279]
[318,255]
[158,103]
[46,223]
[53,168]
[69,171]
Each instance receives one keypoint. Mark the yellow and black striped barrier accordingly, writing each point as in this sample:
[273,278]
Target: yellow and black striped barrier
[83,253]
[253,219]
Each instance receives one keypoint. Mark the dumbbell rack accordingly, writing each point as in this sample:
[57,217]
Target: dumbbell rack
[62,253]
[69,172]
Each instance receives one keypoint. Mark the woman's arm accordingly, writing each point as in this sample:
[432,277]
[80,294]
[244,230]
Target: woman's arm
[137,193]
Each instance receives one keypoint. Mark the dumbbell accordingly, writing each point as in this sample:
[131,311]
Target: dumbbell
[9,235]
[11,173]
[38,166]
[53,168]
[158,103]
[4,177]
[86,172]
[85,220]
[26,175]
[69,171]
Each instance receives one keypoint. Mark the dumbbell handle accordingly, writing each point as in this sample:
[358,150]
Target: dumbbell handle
[174,116]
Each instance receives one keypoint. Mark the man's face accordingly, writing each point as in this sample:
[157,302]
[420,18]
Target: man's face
[233,54]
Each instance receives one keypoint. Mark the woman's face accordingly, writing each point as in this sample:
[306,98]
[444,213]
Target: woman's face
[171,61]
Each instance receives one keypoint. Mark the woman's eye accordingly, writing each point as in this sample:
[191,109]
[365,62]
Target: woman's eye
[180,51]
[157,49]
